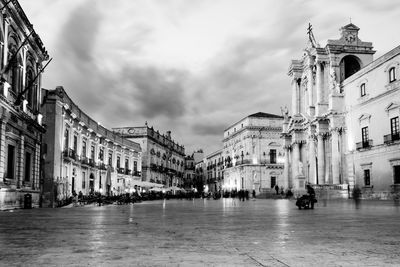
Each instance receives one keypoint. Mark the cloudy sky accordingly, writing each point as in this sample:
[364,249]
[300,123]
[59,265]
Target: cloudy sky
[191,66]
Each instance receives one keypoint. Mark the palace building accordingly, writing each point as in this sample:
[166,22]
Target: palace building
[22,58]
[163,160]
[80,155]
[253,154]
[344,124]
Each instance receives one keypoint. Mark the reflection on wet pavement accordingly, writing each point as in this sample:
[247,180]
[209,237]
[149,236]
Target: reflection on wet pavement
[225,232]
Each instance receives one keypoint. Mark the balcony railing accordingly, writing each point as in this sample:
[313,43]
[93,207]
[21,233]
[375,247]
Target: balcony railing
[121,170]
[137,173]
[363,145]
[102,166]
[70,153]
[127,171]
[390,138]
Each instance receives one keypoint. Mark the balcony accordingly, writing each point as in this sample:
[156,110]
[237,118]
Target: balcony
[137,173]
[128,172]
[120,170]
[364,145]
[91,163]
[70,154]
[390,138]
[84,160]
[102,166]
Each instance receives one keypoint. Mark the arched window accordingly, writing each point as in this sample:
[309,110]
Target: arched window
[392,74]
[362,89]
[348,66]
[15,63]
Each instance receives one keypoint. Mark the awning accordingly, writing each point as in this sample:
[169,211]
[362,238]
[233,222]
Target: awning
[146,184]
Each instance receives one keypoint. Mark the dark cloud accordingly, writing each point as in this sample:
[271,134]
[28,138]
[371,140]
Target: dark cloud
[207,128]
[155,91]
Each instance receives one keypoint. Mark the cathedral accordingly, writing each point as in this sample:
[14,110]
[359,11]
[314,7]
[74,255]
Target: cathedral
[343,130]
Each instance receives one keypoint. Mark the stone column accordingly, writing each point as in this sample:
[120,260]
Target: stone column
[321,159]
[310,85]
[286,179]
[2,147]
[295,159]
[312,160]
[335,156]
[295,97]
[319,82]
[21,156]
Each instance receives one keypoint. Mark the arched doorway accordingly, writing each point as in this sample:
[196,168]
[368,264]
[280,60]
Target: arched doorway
[348,66]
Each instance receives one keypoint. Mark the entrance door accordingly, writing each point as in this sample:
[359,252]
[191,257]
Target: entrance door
[396,174]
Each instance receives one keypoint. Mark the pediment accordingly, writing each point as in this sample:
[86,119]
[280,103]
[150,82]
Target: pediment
[392,105]
[364,117]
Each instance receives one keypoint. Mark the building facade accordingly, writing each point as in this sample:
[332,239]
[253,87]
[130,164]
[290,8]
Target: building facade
[22,56]
[253,154]
[190,169]
[163,160]
[372,100]
[343,129]
[80,155]
[214,164]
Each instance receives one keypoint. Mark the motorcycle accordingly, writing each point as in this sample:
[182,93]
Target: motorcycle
[306,202]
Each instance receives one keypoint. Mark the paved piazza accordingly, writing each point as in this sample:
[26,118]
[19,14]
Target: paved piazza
[199,232]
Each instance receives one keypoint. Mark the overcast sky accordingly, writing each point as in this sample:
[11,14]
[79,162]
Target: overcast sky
[193,67]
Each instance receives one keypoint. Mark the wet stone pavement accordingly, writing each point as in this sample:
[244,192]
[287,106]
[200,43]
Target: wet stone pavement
[199,232]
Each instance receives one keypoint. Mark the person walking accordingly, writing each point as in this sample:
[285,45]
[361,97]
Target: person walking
[277,189]
[311,195]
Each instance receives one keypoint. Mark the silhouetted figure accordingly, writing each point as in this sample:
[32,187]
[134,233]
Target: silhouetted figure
[289,193]
[277,189]
[357,196]
[311,195]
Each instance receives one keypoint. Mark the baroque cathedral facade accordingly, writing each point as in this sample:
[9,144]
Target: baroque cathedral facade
[341,97]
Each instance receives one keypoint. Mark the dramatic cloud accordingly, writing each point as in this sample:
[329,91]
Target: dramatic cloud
[192,67]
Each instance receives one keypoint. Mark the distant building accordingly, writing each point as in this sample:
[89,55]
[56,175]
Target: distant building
[80,155]
[253,154]
[22,55]
[163,160]
[344,125]
[214,175]
[190,164]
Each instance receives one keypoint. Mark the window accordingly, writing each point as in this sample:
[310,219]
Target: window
[101,154]
[394,128]
[362,89]
[29,95]
[118,161]
[126,164]
[10,161]
[100,180]
[392,74]
[83,180]
[272,156]
[92,153]
[110,159]
[273,181]
[367,178]
[396,170]
[135,166]
[66,136]
[75,143]
[364,134]
[83,148]
[28,168]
